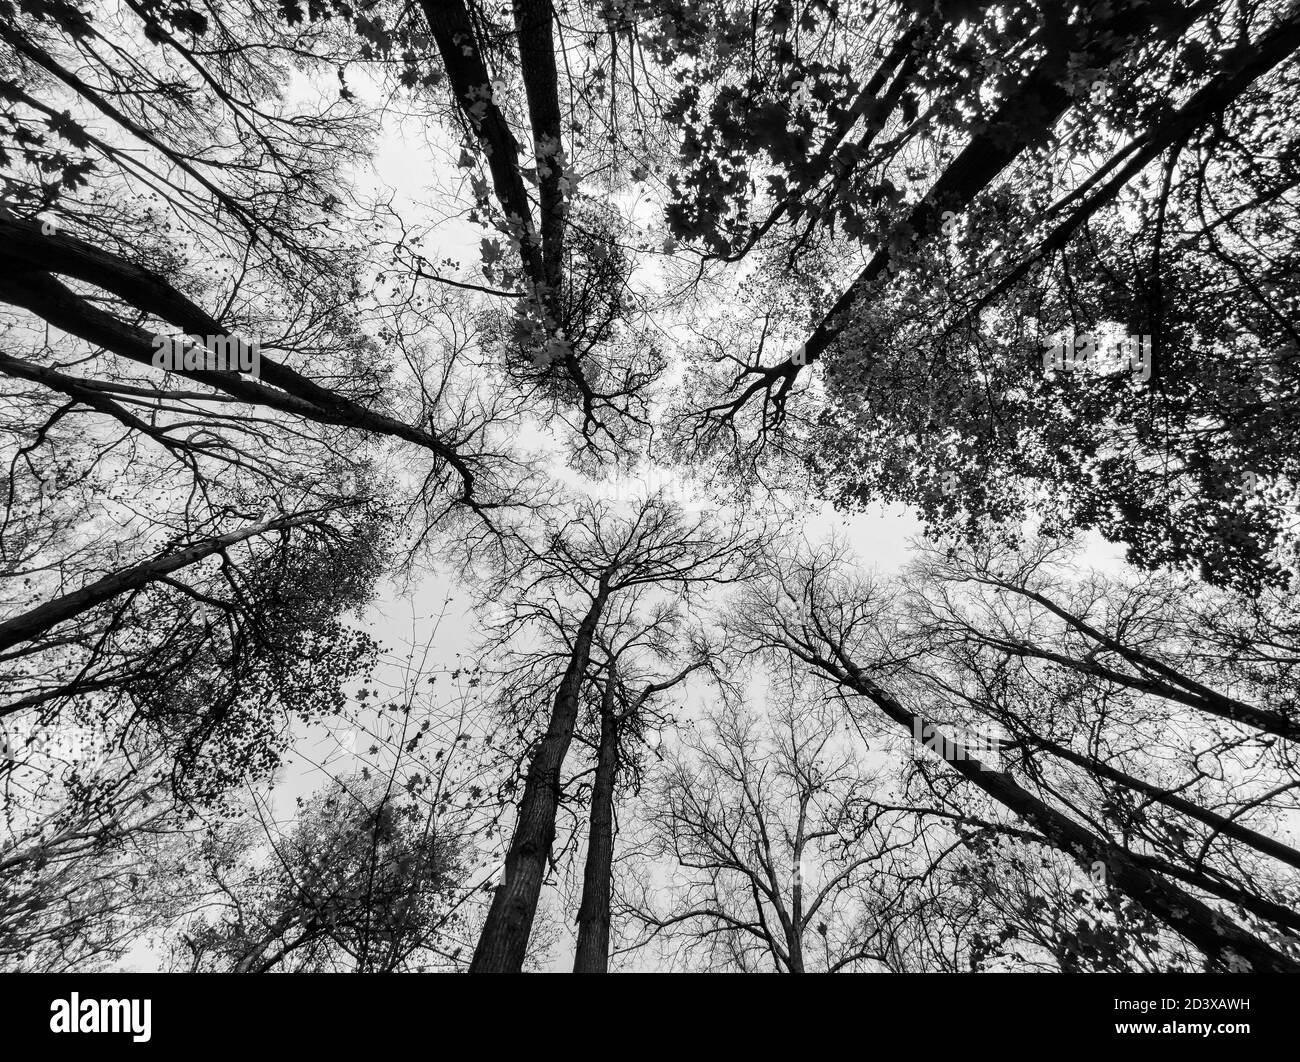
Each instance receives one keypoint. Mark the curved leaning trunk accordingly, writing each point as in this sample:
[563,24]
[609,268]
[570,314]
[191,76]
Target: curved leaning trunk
[592,954]
[37,621]
[28,268]
[1217,936]
[503,942]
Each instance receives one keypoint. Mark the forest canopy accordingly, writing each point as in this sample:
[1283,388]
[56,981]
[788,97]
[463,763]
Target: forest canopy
[637,484]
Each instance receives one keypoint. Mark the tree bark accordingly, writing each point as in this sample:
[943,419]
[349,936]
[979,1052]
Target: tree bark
[453,33]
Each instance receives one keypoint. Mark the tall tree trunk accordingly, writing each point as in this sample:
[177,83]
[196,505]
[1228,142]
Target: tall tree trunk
[592,954]
[467,72]
[533,19]
[794,925]
[503,942]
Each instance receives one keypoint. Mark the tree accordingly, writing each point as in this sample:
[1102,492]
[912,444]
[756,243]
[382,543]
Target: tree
[843,629]
[564,589]
[84,867]
[986,244]
[623,714]
[359,883]
[767,820]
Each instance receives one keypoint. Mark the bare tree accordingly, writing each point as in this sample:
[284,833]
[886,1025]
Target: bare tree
[625,715]
[843,628]
[564,589]
[775,846]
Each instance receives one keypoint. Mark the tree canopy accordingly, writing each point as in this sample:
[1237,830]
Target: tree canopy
[424,427]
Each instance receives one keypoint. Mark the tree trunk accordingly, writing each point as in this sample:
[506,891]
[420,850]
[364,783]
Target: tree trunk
[289,392]
[37,621]
[592,955]
[794,925]
[503,942]
[533,19]
[1217,936]
[467,72]
[1025,118]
